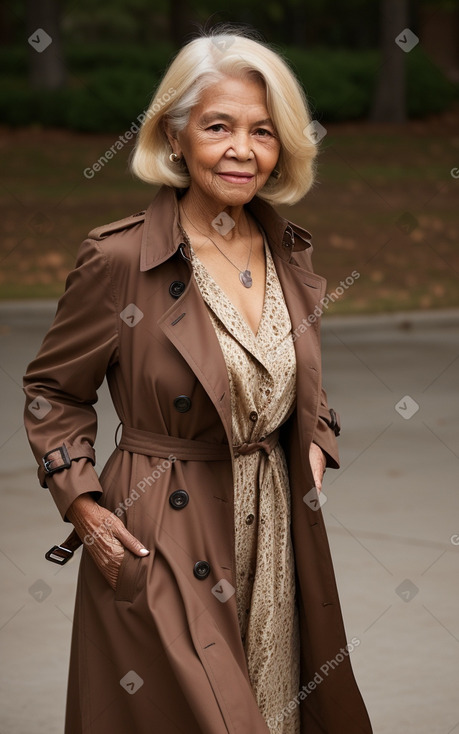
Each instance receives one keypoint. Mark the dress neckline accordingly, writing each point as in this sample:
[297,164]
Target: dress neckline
[224,295]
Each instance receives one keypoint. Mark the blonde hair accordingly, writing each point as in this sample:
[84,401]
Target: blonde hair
[203,62]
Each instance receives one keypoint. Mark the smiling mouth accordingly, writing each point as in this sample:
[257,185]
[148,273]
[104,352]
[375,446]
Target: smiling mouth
[236,176]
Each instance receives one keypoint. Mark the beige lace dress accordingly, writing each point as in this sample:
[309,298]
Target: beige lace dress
[262,376]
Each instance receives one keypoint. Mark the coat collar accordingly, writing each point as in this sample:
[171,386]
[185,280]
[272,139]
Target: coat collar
[162,237]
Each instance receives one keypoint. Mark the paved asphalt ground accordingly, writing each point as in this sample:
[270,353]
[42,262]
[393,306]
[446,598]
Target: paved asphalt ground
[392,513]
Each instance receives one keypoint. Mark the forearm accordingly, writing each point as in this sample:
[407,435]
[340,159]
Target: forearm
[85,515]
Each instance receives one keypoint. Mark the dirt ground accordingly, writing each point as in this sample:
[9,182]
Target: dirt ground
[384,204]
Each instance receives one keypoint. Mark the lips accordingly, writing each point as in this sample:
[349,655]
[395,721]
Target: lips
[245,174]
[236,176]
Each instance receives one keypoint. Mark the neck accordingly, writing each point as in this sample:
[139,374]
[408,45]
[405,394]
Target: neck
[200,212]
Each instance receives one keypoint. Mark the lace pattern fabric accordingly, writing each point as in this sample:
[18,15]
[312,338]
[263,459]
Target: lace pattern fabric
[262,376]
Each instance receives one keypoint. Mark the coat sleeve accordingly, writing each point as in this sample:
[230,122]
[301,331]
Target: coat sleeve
[61,382]
[327,429]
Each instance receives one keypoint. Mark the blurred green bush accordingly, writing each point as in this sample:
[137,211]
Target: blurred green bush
[109,85]
[340,84]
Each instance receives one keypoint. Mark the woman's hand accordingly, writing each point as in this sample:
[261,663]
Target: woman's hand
[104,536]
[318,462]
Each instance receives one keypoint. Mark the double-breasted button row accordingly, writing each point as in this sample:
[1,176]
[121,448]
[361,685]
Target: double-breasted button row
[201,570]
[179,499]
[182,403]
[176,288]
[253,415]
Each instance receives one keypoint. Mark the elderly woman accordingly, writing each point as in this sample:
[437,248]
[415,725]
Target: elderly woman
[206,599]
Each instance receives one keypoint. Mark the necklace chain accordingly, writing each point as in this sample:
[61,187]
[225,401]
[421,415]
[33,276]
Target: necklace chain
[245,276]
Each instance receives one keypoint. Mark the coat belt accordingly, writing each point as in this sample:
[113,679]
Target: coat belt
[158,444]
[162,446]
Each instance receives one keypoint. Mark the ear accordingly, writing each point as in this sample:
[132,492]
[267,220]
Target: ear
[173,142]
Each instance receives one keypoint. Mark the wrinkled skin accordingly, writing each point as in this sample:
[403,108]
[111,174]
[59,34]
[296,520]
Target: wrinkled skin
[317,461]
[104,536]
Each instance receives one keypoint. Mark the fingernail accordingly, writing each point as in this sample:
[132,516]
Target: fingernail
[144,552]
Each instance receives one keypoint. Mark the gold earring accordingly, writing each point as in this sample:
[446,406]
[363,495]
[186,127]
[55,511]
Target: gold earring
[174,158]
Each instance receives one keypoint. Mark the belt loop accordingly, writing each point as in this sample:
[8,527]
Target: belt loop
[183,253]
[116,434]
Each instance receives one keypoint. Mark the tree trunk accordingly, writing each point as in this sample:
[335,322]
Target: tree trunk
[297,22]
[46,62]
[6,31]
[181,26]
[390,98]
[440,38]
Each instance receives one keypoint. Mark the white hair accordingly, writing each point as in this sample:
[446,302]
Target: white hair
[203,62]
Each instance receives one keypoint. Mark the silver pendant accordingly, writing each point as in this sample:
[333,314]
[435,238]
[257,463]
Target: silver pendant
[245,278]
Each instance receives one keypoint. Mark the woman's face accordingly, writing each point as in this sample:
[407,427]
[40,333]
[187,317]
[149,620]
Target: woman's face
[230,144]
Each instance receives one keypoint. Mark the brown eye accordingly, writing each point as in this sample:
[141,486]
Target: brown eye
[263,132]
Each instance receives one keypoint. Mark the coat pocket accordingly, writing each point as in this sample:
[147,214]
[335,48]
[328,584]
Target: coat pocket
[128,577]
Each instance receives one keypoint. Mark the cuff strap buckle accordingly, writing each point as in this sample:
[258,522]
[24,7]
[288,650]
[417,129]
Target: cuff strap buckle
[56,459]
[59,554]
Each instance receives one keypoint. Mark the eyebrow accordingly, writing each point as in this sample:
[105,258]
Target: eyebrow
[209,116]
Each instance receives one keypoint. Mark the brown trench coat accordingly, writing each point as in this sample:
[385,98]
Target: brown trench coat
[164,623]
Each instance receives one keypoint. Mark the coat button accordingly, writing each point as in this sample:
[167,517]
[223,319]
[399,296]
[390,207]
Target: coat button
[176,288]
[249,519]
[179,499]
[253,415]
[182,403]
[201,570]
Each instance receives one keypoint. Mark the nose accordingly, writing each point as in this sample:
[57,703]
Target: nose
[240,146]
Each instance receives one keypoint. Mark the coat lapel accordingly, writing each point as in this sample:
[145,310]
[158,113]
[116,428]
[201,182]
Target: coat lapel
[188,326]
[302,292]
